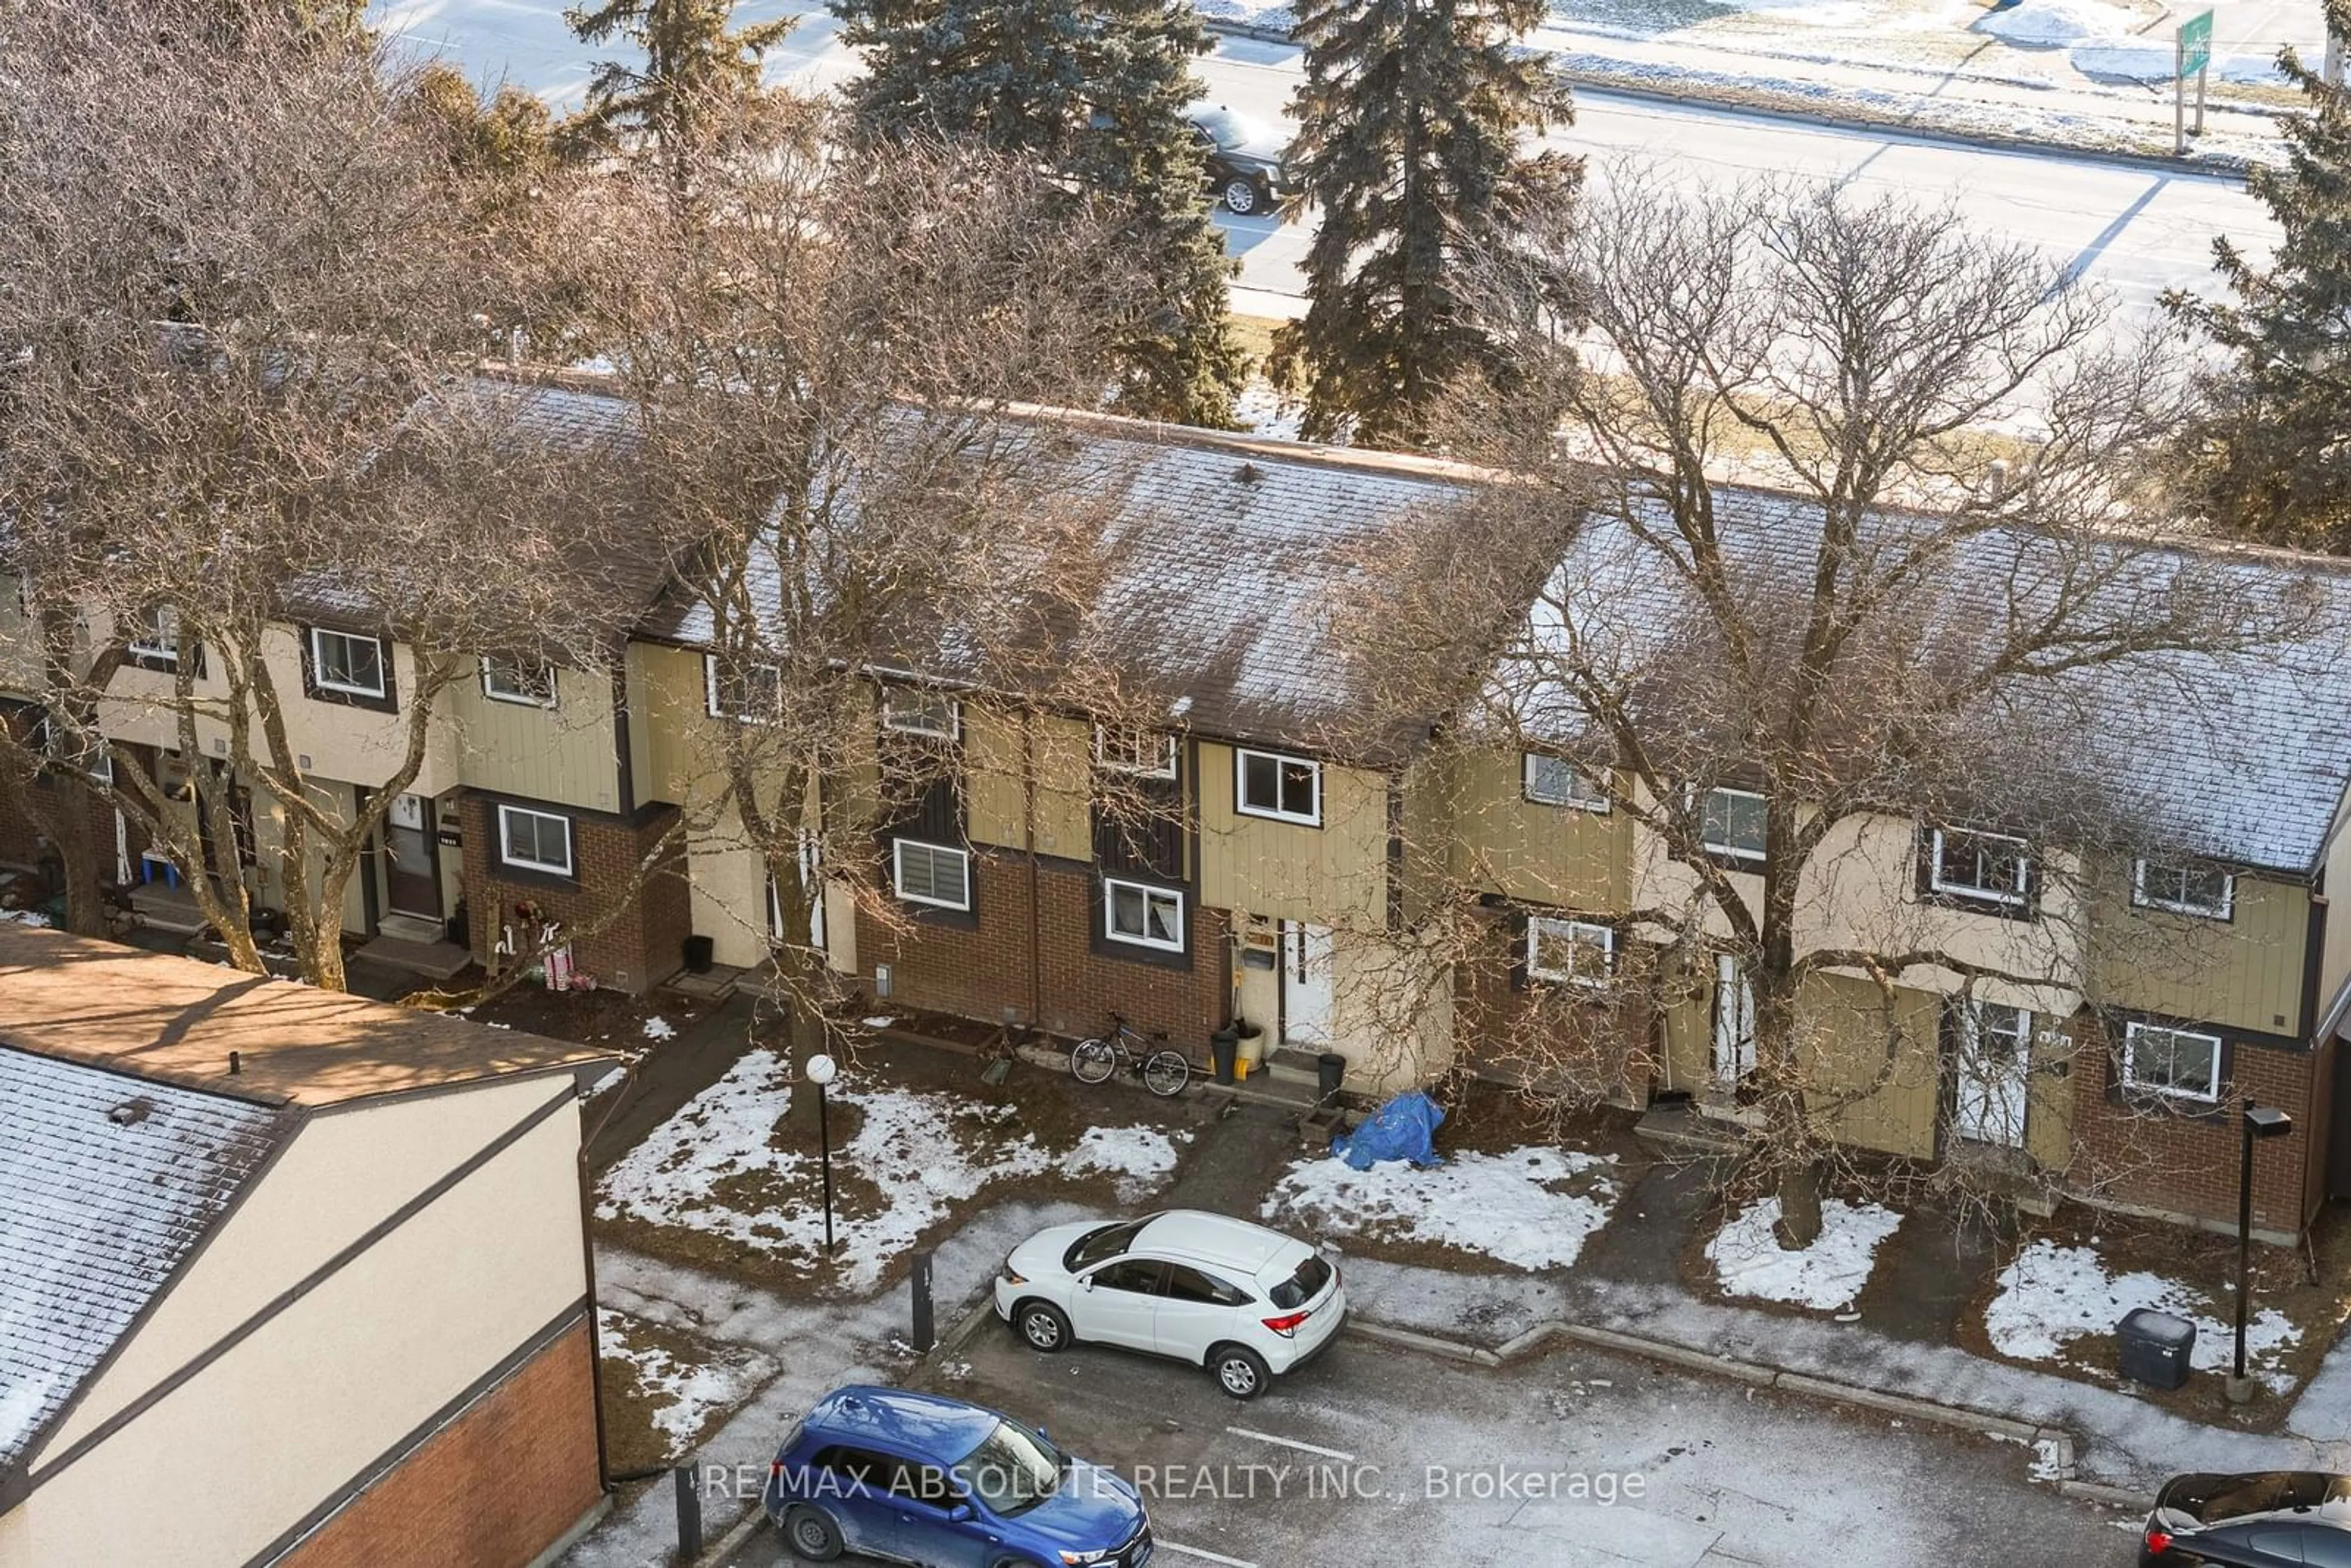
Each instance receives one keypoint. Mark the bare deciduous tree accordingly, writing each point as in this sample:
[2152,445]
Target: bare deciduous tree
[1829,505]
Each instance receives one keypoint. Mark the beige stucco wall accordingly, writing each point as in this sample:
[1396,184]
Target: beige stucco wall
[1335,874]
[20,654]
[1391,1011]
[567,753]
[310,1399]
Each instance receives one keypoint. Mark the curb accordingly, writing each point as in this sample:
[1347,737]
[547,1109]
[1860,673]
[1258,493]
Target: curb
[958,1334]
[1959,1417]
[1603,84]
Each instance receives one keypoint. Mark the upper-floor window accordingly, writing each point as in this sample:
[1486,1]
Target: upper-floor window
[1286,789]
[2172,1060]
[1731,824]
[2184,889]
[535,840]
[935,874]
[906,711]
[747,693]
[1574,952]
[154,639]
[1555,781]
[1145,753]
[347,662]
[1982,868]
[1142,915]
[511,680]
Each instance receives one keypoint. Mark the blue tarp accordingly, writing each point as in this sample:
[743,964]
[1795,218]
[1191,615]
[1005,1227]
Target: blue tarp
[1402,1129]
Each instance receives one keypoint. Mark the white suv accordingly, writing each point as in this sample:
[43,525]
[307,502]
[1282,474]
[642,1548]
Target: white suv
[1246,1302]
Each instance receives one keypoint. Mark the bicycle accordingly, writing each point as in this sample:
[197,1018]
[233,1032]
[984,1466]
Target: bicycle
[1163,1071]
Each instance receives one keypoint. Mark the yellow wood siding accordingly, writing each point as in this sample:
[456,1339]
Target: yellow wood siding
[1563,855]
[673,712]
[2245,972]
[567,753]
[1886,1054]
[1335,874]
[999,749]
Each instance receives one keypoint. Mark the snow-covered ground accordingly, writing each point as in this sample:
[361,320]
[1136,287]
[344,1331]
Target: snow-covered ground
[689,1393]
[717,1166]
[1531,1209]
[1826,1276]
[2052,1294]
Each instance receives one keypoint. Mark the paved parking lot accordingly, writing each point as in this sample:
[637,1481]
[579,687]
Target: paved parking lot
[1580,1459]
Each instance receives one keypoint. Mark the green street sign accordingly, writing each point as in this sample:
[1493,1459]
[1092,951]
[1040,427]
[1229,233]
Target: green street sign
[2195,44]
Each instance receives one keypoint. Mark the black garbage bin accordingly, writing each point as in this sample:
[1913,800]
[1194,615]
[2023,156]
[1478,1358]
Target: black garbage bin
[698,954]
[1223,1047]
[2156,1347]
[1330,1071]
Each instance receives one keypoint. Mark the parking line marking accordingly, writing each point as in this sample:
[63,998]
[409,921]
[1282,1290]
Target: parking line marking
[1168,1545]
[1292,1443]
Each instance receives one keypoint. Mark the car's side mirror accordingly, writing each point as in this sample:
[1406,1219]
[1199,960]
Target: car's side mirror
[1088,1282]
[961,1513]
[1044,1434]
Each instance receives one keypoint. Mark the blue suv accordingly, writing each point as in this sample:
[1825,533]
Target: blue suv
[933,1481]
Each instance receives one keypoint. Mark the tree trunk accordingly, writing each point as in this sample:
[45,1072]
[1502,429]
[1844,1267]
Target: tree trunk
[1800,1206]
[79,853]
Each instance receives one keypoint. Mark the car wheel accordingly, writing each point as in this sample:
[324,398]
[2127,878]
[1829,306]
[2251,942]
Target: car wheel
[1242,197]
[811,1534]
[1239,1370]
[1043,1325]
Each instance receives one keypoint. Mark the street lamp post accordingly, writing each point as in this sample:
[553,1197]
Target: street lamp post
[819,1072]
[2260,1121]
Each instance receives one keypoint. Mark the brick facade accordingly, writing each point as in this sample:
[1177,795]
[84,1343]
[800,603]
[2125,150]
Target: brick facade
[982,968]
[494,1488]
[2183,1160]
[638,950]
[1547,1035]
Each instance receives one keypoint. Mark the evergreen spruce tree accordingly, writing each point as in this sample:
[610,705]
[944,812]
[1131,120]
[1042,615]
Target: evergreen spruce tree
[2272,455]
[1411,115]
[1094,90]
[698,66]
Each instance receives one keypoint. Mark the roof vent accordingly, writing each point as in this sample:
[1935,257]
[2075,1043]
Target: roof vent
[1250,474]
[131,1112]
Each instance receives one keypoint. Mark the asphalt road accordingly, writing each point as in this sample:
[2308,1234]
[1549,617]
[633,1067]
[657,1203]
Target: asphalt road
[1374,1456]
[2138,231]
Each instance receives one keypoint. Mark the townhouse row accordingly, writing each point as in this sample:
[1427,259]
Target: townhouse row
[1414,907]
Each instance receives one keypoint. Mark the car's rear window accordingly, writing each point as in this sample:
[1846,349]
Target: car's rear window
[1303,1286]
[2213,1498]
[1108,1242]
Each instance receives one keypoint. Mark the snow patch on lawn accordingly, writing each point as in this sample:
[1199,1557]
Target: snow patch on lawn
[2051,1294]
[1516,1207]
[2141,60]
[24,917]
[689,1393]
[1826,1276]
[658,1027]
[2053,24]
[1141,1158]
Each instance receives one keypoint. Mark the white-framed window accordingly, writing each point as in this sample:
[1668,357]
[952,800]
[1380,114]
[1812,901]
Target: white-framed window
[2184,889]
[1986,868]
[1571,952]
[1555,781]
[155,636]
[1732,823]
[2172,1060]
[347,662]
[1143,916]
[906,710]
[1286,789]
[754,693]
[535,840]
[935,874]
[529,682]
[1145,753]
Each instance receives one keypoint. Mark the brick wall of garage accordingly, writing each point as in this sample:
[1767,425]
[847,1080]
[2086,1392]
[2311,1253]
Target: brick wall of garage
[642,947]
[2183,1159]
[494,1488]
[981,967]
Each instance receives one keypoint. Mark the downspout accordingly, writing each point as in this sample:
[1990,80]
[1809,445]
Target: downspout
[1029,842]
[588,1135]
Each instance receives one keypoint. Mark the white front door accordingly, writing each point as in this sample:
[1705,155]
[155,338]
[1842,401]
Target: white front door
[1995,1060]
[1734,1021]
[1306,984]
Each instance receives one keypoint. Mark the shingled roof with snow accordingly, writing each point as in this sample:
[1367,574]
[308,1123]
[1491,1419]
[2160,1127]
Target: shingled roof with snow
[105,1182]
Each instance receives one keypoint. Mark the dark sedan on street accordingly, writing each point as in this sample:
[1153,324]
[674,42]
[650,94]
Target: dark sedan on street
[2278,1517]
[1245,159]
